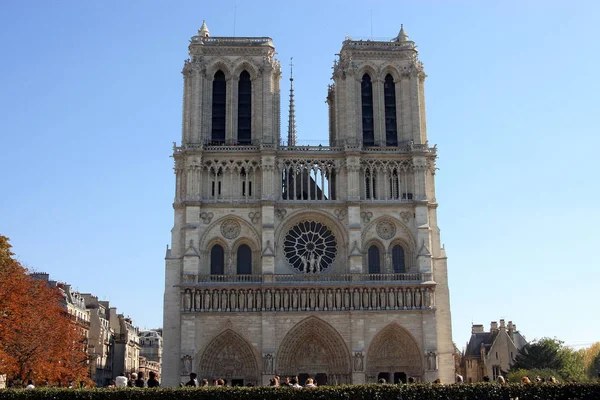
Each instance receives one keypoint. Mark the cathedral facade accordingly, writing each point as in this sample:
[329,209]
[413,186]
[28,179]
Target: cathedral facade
[321,261]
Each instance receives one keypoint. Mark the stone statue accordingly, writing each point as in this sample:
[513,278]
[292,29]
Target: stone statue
[268,299]
[224,299]
[431,361]
[305,264]
[186,364]
[338,299]
[373,298]
[277,304]
[268,363]
[233,300]
[400,298]
[187,300]
[428,298]
[258,298]
[312,299]
[408,298]
[312,261]
[207,300]
[215,302]
[329,299]
[358,361]
[198,300]
[346,299]
[356,299]
[382,298]
[365,296]
[302,299]
[294,299]
[242,300]
[250,299]
[321,299]
[286,299]
[417,298]
[318,265]
[391,299]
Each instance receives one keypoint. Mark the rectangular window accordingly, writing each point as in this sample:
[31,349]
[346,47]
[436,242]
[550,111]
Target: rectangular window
[213,189]
[219,188]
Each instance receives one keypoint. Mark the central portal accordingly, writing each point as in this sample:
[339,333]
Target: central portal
[314,349]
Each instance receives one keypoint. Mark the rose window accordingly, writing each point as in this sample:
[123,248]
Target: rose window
[310,247]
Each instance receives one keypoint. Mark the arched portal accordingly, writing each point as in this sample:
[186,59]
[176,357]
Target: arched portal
[394,353]
[314,347]
[231,357]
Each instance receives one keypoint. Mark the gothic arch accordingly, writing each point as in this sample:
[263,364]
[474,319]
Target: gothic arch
[389,69]
[242,64]
[219,64]
[367,69]
[402,234]
[313,346]
[394,349]
[229,356]
[213,233]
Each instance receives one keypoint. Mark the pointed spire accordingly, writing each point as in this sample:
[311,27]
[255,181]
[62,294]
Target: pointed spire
[203,31]
[402,36]
[292,117]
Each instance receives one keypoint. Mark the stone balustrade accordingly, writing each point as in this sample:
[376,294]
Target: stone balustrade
[259,299]
[211,280]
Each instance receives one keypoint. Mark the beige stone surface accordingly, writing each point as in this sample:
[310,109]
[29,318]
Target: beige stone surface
[314,218]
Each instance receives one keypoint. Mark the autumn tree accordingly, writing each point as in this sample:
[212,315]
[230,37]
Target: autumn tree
[38,340]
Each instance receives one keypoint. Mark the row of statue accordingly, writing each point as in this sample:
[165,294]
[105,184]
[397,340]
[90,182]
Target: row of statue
[308,299]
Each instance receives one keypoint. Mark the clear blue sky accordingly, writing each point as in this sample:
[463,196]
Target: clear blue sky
[90,103]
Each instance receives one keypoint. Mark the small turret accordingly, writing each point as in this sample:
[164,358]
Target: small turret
[402,36]
[203,31]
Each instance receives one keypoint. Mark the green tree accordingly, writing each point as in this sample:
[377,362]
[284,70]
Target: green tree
[544,353]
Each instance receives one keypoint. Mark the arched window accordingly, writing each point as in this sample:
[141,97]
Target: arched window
[244,109]
[371,184]
[219,98]
[217,260]
[244,260]
[398,262]
[389,95]
[366,91]
[373,260]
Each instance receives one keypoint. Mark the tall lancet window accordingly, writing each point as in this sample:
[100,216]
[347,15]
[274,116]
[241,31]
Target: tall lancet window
[244,260]
[219,98]
[373,260]
[366,91]
[244,109]
[217,260]
[389,94]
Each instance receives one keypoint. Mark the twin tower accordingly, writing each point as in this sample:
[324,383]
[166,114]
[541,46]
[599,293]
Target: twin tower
[321,261]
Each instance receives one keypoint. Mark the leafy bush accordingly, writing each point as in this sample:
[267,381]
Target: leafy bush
[479,391]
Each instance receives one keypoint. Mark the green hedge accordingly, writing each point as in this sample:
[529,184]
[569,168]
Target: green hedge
[380,392]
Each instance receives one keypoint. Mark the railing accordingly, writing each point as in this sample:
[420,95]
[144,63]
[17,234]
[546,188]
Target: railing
[232,40]
[211,280]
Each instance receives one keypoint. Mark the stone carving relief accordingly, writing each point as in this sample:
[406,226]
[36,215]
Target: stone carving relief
[230,229]
[340,213]
[307,299]
[229,356]
[366,216]
[280,213]
[394,347]
[254,217]
[206,217]
[405,216]
[386,230]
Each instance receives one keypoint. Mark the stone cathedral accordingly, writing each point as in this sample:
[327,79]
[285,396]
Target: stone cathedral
[321,261]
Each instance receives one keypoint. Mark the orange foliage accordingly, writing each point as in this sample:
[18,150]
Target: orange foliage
[38,339]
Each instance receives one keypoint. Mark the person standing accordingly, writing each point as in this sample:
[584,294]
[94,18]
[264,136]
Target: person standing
[121,380]
[152,381]
[140,381]
[193,381]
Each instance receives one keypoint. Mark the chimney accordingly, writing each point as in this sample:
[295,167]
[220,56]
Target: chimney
[494,326]
[502,325]
[477,329]
[511,328]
